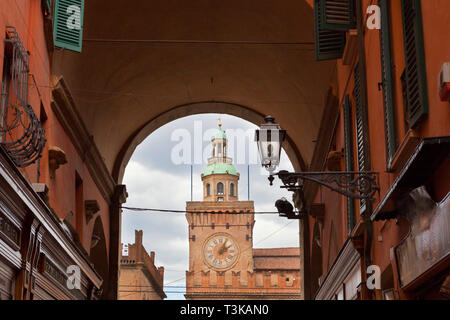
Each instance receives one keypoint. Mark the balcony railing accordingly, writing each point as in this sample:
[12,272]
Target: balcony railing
[220,160]
[21,132]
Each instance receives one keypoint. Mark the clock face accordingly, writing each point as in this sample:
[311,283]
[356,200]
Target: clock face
[221,251]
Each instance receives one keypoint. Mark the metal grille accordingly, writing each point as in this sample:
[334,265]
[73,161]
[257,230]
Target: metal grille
[21,131]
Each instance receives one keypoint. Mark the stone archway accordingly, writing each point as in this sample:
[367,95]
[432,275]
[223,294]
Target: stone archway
[188,109]
[171,59]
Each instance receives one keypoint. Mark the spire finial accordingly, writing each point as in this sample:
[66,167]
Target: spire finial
[220,123]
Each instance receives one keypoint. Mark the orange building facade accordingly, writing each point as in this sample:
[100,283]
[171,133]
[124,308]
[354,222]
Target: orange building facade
[222,261]
[384,113]
[55,202]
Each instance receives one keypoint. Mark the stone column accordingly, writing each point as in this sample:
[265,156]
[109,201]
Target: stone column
[115,229]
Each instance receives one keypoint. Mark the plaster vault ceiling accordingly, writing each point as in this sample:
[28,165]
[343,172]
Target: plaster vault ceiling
[120,86]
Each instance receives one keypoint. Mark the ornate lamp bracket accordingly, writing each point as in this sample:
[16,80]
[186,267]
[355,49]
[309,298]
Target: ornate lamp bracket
[353,184]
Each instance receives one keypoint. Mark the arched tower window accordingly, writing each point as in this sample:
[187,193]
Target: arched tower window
[231,189]
[208,189]
[220,188]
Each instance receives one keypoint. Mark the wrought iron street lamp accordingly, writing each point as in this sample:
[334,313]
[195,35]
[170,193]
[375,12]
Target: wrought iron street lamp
[353,184]
[269,138]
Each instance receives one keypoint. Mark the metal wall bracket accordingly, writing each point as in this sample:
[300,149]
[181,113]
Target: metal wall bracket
[353,184]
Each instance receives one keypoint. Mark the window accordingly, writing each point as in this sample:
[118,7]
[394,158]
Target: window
[405,101]
[416,84]
[388,102]
[220,188]
[231,189]
[348,137]
[362,127]
[208,189]
[332,18]
[68,24]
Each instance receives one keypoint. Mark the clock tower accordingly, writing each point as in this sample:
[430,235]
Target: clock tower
[221,255]
[220,226]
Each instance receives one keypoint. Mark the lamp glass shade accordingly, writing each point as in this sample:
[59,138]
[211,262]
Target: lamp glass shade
[270,138]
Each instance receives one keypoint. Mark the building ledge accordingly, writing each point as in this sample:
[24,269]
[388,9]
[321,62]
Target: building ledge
[405,150]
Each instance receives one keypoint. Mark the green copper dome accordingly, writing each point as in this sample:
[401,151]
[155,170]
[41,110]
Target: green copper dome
[220,168]
[219,135]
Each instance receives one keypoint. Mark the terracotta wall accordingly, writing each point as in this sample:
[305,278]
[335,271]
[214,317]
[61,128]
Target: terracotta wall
[139,278]
[27,17]
[436,27]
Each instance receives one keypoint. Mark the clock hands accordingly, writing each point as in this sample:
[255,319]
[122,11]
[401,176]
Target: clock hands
[223,248]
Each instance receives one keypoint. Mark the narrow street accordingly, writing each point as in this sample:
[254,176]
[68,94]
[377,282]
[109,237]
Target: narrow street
[225,150]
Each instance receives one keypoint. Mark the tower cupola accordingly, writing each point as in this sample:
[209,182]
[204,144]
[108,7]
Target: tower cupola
[220,178]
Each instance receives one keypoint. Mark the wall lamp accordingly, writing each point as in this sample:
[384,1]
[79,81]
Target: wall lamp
[353,184]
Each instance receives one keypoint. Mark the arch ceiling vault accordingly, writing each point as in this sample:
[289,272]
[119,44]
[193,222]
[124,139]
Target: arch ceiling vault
[126,89]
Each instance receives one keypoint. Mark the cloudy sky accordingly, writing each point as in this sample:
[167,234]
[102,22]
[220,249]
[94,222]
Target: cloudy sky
[159,176]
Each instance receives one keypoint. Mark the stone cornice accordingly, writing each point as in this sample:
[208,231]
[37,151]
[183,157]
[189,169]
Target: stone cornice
[342,266]
[65,110]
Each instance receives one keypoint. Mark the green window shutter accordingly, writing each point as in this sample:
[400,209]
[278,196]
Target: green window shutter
[65,37]
[348,137]
[362,129]
[415,61]
[338,14]
[388,101]
[329,44]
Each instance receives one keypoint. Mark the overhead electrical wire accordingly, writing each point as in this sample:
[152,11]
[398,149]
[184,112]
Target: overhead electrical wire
[187,41]
[199,212]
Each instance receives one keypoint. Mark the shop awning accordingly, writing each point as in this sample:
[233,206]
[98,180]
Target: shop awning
[426,158]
